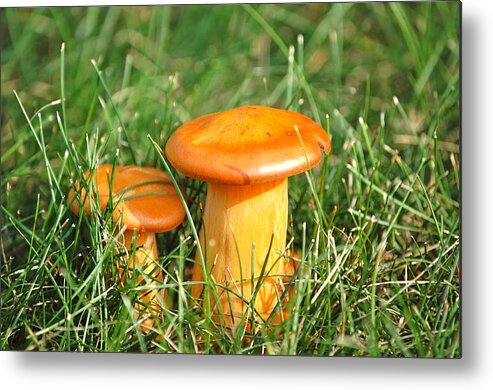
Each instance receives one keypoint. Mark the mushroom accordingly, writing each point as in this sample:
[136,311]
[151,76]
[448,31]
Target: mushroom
[245,155]
[144,202]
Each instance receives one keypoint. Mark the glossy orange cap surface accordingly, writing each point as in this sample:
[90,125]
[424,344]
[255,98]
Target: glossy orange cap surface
[247,145]
[143,197]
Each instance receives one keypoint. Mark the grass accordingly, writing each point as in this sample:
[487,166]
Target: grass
[377,222]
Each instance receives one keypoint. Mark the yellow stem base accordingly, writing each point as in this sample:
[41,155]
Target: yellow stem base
[244,234]
[143,261]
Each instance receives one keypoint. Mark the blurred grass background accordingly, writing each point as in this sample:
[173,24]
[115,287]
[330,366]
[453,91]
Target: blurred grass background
[383,78]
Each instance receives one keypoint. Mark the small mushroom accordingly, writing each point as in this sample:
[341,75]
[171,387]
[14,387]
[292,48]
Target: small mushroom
[246,155]
[144,203]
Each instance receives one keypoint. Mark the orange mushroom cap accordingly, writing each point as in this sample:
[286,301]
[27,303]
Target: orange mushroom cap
[143,197]
[247,145]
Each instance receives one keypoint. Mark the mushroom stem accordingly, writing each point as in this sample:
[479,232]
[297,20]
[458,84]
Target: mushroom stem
[244,227]
[141,258]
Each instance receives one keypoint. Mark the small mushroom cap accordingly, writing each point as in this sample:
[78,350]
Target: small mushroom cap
[247,145]
[143,197]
